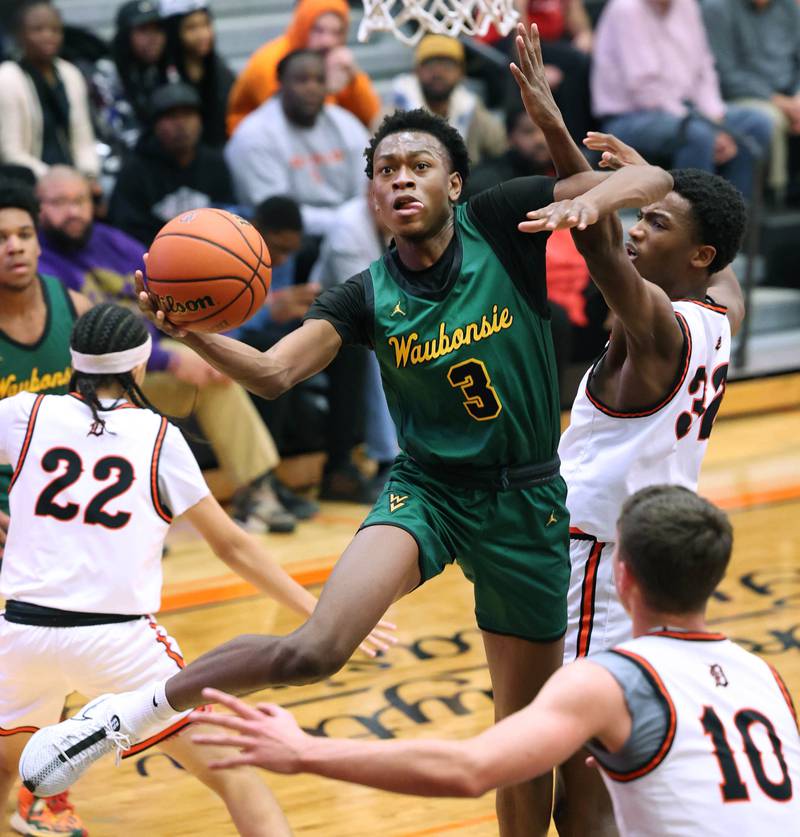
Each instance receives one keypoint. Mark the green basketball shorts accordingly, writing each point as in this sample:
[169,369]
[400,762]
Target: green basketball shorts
[513,545]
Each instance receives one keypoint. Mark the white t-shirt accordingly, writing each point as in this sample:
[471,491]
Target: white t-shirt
[89,510]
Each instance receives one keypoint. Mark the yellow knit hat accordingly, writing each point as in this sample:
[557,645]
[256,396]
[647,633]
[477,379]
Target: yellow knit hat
[439,46]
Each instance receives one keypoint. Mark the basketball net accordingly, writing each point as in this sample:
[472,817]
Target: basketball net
[439,17]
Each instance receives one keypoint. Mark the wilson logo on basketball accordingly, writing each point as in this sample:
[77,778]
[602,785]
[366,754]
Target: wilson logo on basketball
[170,305]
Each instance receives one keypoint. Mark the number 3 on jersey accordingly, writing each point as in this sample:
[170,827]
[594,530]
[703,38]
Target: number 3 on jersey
[480,398]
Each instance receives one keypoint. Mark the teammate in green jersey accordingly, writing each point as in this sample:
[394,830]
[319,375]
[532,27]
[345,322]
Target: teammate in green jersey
[36,314]
[457,314]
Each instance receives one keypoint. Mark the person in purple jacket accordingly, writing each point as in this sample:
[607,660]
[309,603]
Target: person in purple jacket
[100,260]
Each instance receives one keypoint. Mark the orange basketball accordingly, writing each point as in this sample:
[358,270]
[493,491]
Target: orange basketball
[209,270]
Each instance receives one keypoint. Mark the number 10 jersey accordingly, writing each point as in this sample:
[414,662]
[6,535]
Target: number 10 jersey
[607,455]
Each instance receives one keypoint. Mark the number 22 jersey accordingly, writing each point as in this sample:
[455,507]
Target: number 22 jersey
[90,510]
[608,455]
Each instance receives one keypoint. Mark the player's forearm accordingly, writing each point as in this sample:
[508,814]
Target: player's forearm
[420,768]
[256,371]
[249,560]
[567,157]
[630,187]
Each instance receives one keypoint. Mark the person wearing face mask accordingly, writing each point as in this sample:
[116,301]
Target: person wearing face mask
[44,100]
[193,59]
[319,25]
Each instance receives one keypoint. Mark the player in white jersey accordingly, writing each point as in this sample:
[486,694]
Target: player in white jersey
[97,480]
[644,411]
[681,721]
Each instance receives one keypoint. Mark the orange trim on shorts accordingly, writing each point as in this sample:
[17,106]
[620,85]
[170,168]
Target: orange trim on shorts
[17,730]
[673,721]
[160,510]
[164,640]
[27,441]
[588,590]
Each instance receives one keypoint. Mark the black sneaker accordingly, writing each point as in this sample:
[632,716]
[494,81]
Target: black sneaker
[301,508]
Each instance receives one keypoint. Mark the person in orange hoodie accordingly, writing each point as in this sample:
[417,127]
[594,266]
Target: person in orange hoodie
[316,24]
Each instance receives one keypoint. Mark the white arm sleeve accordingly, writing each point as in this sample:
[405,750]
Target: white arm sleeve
[180,480]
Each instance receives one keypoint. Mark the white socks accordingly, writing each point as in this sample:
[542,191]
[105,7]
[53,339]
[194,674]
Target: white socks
[144,711]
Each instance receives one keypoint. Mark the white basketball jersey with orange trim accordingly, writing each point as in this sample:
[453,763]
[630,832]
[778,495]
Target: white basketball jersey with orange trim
[90,510]
[606,456]
[730,759]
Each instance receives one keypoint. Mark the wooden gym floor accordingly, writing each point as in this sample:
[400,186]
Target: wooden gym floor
[435,681]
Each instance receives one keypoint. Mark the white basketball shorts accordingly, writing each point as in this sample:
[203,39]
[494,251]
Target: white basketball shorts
[596,621]
[42,666]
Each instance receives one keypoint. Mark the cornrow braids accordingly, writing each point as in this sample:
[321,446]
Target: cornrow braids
[103,329]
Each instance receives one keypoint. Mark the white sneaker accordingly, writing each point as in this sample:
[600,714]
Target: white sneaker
[59,754]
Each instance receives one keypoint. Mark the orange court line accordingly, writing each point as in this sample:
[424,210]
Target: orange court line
[195,596]
[451,826]
[750,499]
[203,591]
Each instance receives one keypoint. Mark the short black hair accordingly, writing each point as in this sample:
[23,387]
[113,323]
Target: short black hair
[16,194]
[283,64]
[280,212]
[676,544]
[427,123]
[719,213]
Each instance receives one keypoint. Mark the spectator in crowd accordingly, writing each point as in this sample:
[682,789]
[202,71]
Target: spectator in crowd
[44,105]
[756,44]
[565,36]
[36,317]
[171,170]
[319,25]
[296,144]
[139,53]
[99,261]
[654,86]
[194,60]
[358,239]
[295,419]
[438,85]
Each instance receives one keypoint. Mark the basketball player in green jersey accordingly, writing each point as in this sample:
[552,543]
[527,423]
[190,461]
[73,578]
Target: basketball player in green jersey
[36,314]
[457,314]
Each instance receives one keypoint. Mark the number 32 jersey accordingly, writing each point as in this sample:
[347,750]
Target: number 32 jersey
[607,455]
[90,510]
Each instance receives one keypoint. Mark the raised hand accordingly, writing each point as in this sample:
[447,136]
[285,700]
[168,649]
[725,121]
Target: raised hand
[264,735]
[616,153]
[148,305]
[378,639]
[531,77]
[576,213]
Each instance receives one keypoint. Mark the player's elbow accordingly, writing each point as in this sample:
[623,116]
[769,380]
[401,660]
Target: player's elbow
[474,776]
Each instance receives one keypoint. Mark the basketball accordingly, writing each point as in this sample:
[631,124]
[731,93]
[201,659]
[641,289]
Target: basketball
[208,270]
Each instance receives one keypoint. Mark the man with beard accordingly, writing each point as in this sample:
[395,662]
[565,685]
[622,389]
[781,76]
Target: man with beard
[437,85]
[99,261]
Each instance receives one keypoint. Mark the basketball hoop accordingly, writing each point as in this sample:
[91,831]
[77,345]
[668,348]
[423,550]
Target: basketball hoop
[439,17]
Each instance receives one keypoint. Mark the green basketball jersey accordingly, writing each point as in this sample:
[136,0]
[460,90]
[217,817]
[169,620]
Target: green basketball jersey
[43,366]
[469,373]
